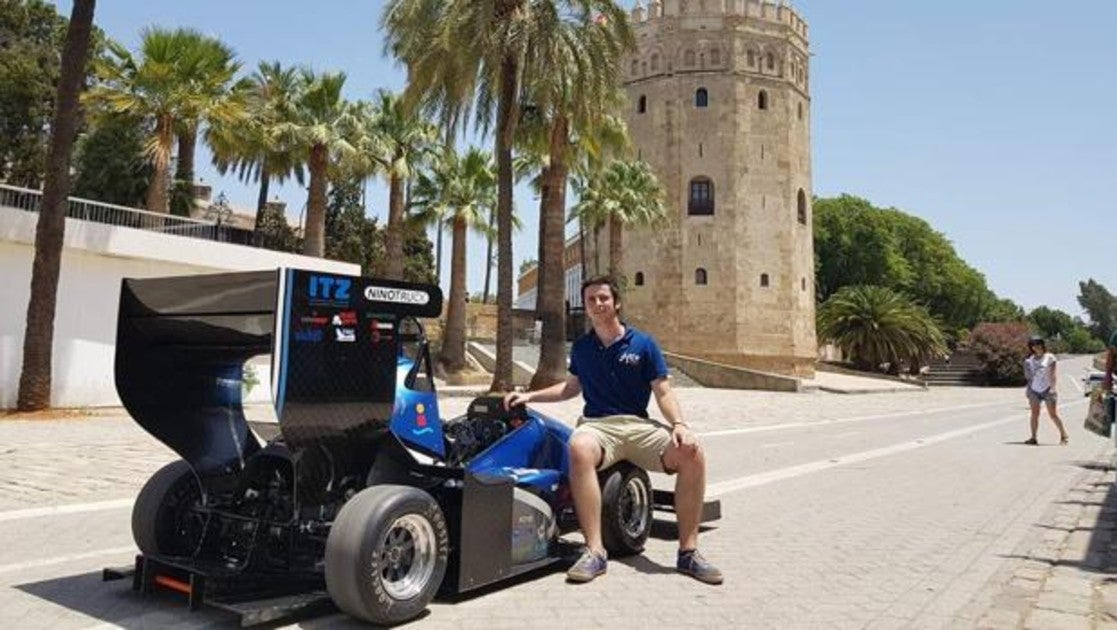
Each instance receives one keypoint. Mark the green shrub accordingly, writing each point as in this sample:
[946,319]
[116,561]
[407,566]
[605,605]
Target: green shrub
[1002,348]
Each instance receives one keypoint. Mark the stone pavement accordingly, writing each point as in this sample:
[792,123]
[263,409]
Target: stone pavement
[1067,577]
[972,530]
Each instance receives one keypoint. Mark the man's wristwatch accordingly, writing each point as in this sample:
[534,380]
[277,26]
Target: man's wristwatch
[679,424]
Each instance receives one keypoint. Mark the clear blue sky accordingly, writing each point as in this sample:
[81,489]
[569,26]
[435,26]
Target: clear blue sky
[992,120]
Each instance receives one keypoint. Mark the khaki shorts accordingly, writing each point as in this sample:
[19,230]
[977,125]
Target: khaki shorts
[639,440]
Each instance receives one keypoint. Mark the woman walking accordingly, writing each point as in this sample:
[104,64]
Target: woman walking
[1039,372]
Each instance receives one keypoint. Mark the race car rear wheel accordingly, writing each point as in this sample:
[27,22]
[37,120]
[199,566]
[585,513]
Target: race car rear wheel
[386,554]
[164,519]
[626,509]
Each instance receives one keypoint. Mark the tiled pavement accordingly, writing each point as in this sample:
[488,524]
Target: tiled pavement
[968,532]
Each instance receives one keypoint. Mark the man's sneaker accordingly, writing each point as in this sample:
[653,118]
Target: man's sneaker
[693,564]
[589,566]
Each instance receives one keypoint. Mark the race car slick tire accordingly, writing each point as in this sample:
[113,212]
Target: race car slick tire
[626,509]
[163,519]
[386,554]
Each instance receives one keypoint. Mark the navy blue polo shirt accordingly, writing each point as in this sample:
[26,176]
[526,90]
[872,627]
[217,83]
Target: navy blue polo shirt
[618,379]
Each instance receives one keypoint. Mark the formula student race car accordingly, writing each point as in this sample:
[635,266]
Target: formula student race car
[364,496]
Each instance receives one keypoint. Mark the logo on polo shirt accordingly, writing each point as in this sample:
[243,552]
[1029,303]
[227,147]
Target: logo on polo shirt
[629,358]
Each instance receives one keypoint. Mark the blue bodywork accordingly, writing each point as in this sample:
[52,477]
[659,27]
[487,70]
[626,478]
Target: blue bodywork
[534,453]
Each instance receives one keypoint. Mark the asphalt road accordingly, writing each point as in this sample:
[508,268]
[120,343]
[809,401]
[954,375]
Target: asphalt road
[886,510]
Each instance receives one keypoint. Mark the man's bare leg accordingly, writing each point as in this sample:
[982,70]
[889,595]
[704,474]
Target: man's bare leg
[690,490]
[584,455]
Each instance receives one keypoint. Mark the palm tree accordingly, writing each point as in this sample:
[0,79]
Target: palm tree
[154,87]
[470,53]
[626,193]
[403,140]
[252,148]
[874,325]
[208,67]
[38,338]
[325,128]
[460,190]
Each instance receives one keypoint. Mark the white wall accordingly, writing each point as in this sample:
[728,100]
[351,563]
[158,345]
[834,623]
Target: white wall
[94,260]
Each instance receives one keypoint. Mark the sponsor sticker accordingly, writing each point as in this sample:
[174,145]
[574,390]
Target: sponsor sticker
[345,318]
[345,335]
[397,296]
[314,320]
[309,335]
[328,291]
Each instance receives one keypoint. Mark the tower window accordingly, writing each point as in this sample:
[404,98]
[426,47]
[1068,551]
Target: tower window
[715,57]
[803,283]
[763,279]
[635,68]
[639,278]
[800,111]
[701,196]
[771,61]
[701,98]
[801,204]
[762,99]
[655,62]
[750,58]
[642,104]
[688,58]
[700,277]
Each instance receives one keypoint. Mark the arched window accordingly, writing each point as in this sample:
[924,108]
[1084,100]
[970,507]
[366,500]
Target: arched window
[700,276]
[688,58]
[763,279]
[801,204]
[750,57]
[771,61]
[641,104]
[639,278]
[762,99]
[701,98]
[701,200]
[715,57]
[655,62]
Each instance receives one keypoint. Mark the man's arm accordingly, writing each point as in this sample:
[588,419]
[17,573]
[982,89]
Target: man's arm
[555,393]
[669,407]
[1107,380]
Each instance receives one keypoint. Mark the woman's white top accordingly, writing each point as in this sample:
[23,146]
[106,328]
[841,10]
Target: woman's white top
[1037,371]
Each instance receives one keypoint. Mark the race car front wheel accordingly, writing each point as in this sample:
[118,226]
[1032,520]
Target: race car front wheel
[626,509]
[164,518]
[386,554]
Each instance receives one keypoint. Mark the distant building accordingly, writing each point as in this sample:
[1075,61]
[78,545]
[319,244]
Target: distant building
[526,284]
[719,105]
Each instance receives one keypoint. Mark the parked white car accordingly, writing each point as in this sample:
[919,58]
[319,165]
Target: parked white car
[1091,381]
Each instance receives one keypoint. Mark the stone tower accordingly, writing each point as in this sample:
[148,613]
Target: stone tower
[720,107]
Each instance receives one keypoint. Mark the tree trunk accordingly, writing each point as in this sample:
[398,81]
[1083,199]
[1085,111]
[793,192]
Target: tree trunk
[157,189]
[506,131]
[438,253]
[393,234]
[452,356]
[261,203]
[616,229]
[552,269]
[183,189]
[596,251]
[582,247]
[489,255]
[38,338]
[314,234]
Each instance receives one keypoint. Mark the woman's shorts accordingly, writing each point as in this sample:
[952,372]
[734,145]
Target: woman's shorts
[1048,395]
[641,441]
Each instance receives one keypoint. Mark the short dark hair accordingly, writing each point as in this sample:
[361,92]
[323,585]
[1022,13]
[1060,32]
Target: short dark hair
[609,281]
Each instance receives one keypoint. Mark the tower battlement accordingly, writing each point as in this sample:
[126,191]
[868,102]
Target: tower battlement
[765,10]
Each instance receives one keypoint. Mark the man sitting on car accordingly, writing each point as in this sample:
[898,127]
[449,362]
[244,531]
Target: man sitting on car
[616,368]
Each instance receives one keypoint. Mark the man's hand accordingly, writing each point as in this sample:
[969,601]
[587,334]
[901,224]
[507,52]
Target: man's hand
[514,399]
[683,438]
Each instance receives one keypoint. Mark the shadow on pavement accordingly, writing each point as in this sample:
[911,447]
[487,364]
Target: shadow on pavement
[117,604]
[642,564]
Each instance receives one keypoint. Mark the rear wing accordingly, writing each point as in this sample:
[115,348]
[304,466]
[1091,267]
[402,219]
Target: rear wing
[182,343]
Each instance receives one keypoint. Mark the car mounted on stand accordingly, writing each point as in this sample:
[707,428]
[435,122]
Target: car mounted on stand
[364,496]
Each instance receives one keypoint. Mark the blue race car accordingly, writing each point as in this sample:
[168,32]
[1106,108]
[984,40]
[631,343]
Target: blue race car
[362,496]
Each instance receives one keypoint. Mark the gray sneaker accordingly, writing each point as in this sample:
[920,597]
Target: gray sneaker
[693,564]
[589,566]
